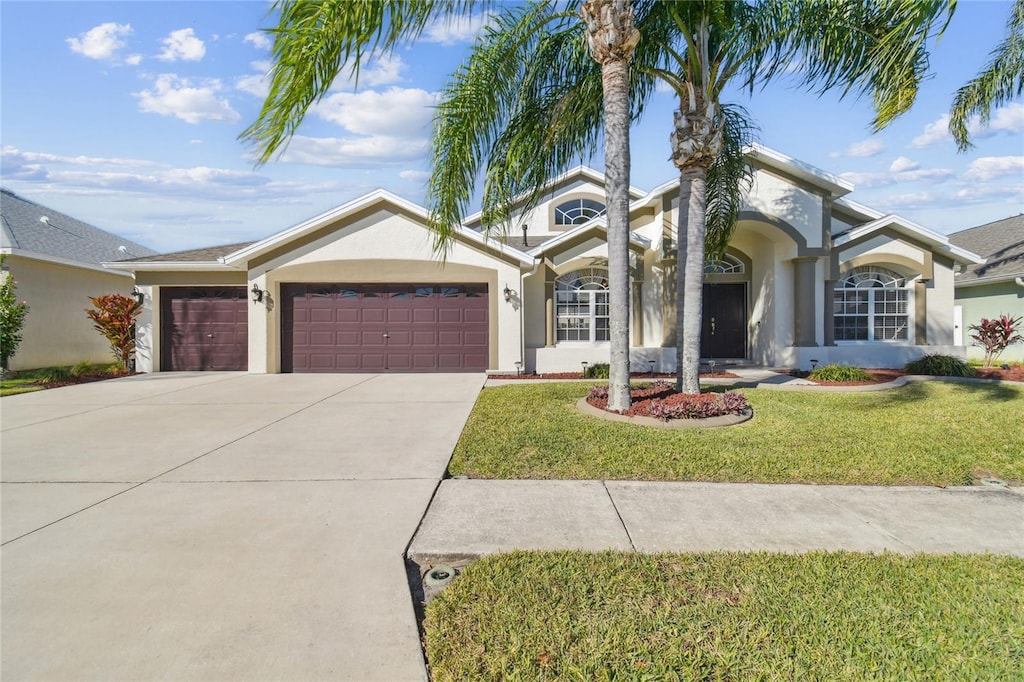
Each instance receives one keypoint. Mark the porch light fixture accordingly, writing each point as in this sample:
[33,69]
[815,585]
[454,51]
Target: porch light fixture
[138,296]
[508,294]
[584,369]
[256,294]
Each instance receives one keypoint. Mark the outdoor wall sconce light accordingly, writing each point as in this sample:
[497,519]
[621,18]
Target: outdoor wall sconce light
[256,294]
[519,367]
[138,296]
[508,294]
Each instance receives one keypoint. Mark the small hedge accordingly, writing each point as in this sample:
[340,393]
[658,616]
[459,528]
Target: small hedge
[600,370]
[840,373]
[938,365]
[661,401]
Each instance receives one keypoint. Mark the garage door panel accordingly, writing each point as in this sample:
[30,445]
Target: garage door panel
[401,327]
[205,328]
[319,337]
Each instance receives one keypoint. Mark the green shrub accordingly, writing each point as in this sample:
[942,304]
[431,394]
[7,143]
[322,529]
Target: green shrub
[600,370]
[841,373]
[938,365]
[82,369]
[56,375]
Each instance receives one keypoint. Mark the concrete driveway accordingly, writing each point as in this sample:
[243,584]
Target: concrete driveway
[219,526]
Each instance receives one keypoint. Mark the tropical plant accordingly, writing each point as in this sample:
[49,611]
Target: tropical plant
[12,316]
[999,82]
[838,373]
[939,365]
[114,317]
[996,335]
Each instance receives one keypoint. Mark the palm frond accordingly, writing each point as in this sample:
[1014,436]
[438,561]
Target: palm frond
[315,40]
[729,178]
[1001,80]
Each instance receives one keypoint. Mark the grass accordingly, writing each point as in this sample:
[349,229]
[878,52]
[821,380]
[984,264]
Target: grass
[928,433]
[26,381]
[730,616]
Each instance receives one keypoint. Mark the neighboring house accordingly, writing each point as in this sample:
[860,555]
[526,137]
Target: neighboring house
[56,261]
[996,286]
[808,276]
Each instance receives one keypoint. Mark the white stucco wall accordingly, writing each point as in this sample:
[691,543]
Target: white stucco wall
[775,196]
[385,246]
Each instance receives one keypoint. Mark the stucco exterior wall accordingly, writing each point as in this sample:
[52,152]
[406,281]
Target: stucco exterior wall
[57,331]
[774,196]
[991,300]
[384,246]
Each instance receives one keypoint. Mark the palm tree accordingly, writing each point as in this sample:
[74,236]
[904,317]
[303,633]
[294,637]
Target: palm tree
[525,105]
[315,40]
[998,83]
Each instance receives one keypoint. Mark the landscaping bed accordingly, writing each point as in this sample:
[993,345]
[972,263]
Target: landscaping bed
[927,433]
[636,375]
[879,376]
[661,401]
[1013,373]
[27,381]
[729,616]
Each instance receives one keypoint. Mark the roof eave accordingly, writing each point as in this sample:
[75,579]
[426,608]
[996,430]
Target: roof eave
[180,266]
[835,185]
[57,260]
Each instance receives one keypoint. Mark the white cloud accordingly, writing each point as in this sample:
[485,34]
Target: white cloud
[13,155]
[386,70]
[991,167]
[254,84]
[174,96]
[258,40]
[891,177]
[100,42]
[378,150]
[1008,118]
[414,175]
[863,149]
[133,59]
[182,44]
[902,164]
[403,112]
[455,30]
[195,141]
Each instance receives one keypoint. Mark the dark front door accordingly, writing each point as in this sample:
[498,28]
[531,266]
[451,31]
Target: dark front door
[384,328]
[724,326]
[204,328]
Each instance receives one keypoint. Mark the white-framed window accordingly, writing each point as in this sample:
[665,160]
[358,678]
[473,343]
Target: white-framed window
[872,304]
[577,211]
[581,306]
[725,265]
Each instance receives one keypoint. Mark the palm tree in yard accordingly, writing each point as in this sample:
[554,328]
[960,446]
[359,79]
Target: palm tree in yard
[315,40]
[1000,81]
[526,104]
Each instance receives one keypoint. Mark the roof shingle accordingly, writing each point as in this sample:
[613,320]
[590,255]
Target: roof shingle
[1000,243]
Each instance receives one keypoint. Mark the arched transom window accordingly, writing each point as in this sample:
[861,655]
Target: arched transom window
[577,211]
[872,304]
[581,306]
[724,265]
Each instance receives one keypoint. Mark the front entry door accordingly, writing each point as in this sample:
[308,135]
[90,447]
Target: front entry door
[723,331]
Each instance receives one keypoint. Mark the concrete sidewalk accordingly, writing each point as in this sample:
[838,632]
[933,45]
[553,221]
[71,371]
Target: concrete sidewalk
[471,518]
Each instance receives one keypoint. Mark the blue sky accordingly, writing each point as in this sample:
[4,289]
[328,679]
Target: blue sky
[126,115]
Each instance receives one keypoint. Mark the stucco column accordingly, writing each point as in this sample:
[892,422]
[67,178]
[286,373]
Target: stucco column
[830,312]
[921,312]
[668,307]
[549,308]
[638,314]
[803,301]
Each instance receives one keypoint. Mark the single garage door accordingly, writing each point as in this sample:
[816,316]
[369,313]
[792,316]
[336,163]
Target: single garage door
[204,328]
[384,328]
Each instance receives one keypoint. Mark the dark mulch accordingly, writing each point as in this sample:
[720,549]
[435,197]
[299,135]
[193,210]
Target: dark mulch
[85,379]
[642,400]
[1014,373]
[635,375]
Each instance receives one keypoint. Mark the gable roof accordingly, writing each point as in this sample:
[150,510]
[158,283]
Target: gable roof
[1001,243]
[35,231]
[936,241]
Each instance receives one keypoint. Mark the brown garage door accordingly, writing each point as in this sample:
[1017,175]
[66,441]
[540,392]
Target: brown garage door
[204,328]
[384,328]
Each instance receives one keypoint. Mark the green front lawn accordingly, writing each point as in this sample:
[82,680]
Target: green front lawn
[930,433]
[730,616]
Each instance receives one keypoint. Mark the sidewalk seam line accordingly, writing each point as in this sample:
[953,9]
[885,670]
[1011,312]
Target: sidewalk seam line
[618,514]
[882,530]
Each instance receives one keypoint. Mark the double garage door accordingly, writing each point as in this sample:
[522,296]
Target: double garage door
[384,327]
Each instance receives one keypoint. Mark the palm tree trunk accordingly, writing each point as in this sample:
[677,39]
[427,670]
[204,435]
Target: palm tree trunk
[612,38]
[616,158]
[690,276]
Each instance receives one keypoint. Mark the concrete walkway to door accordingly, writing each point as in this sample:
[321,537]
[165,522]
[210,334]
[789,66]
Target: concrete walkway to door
[219,526]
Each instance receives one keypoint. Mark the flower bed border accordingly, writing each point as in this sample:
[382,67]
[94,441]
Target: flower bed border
[707,423]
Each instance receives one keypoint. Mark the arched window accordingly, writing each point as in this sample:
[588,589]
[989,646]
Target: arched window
[581,306]
[577,211]
[726,265]
[871,304]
